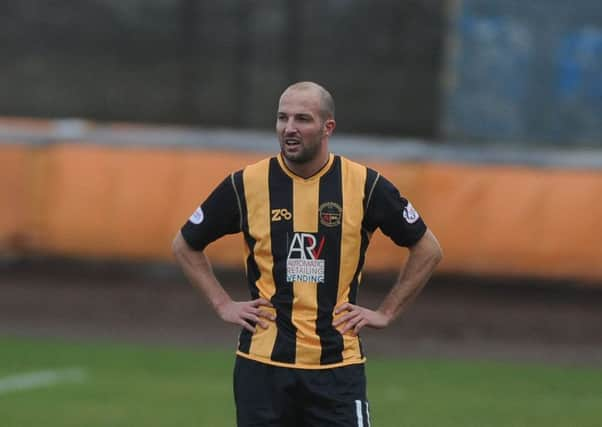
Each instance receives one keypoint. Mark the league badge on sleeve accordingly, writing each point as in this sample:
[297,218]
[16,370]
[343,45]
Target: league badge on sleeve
[197,217]
[410,214]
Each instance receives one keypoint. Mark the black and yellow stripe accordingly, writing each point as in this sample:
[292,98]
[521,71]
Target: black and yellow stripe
[302,335]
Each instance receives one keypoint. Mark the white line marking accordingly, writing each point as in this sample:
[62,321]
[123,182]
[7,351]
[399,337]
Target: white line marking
[358,413]
[41,379]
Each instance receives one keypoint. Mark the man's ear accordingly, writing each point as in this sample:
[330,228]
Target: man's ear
[329,126]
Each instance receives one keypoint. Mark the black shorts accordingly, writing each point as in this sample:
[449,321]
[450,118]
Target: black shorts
[271,396]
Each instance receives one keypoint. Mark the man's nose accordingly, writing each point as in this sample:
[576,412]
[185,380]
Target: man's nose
[290,127]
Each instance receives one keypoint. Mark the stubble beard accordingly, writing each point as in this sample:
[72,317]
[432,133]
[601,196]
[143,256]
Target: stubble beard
[305,153]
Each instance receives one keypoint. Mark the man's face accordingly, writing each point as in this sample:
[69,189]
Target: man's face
[299,126]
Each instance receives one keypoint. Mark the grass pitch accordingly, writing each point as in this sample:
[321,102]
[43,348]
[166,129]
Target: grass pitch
[49,383]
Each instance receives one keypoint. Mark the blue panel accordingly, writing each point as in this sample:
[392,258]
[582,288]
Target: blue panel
[526,72]
[491,78]
[578,90]
[579,60]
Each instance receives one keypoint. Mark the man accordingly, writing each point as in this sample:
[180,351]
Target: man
[307,216]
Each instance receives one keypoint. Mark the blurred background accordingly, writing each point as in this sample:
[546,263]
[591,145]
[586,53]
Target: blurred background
[117,118]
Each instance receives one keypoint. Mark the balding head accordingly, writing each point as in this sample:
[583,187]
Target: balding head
[326,99]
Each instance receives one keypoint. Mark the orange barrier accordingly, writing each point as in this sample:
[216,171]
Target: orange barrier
[14,196]
[116,201]
[507,220]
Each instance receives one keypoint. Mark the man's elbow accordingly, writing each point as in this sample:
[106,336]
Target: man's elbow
[433,248]
[178,245]
[437,253]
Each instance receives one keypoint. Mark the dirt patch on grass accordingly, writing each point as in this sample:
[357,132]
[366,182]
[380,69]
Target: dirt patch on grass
[453,318]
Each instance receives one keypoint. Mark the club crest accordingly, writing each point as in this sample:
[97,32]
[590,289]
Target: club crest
[330,214]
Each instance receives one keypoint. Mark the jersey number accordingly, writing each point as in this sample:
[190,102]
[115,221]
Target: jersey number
[279,214]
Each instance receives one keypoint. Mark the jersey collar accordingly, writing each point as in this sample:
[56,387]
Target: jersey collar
[314,177]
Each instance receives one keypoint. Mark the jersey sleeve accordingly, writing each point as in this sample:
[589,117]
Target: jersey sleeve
[393,214]
[215,217]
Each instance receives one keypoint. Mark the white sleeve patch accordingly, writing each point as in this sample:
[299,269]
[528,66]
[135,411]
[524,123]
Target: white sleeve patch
[197,217]
[410,214]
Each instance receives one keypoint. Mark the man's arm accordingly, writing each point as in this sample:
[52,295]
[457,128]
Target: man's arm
[422,260]
[197,268]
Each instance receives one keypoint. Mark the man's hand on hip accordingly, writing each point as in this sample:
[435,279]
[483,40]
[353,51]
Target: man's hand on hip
[356,317]
[244,313]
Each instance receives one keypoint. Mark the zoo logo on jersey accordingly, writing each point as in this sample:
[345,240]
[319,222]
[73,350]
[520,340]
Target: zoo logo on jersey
[303,263]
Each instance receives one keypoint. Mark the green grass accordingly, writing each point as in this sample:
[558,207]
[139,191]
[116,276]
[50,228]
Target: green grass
[131,386]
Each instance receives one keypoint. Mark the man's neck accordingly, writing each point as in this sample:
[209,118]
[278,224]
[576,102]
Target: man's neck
[309,169]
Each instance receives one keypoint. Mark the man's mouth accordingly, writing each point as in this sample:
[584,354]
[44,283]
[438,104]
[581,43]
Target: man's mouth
[291,142]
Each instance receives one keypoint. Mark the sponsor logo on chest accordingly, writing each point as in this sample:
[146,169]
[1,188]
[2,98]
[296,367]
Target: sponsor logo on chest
[303,263]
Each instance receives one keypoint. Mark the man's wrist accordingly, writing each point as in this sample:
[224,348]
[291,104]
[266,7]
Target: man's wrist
[220,303]
[387,314]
